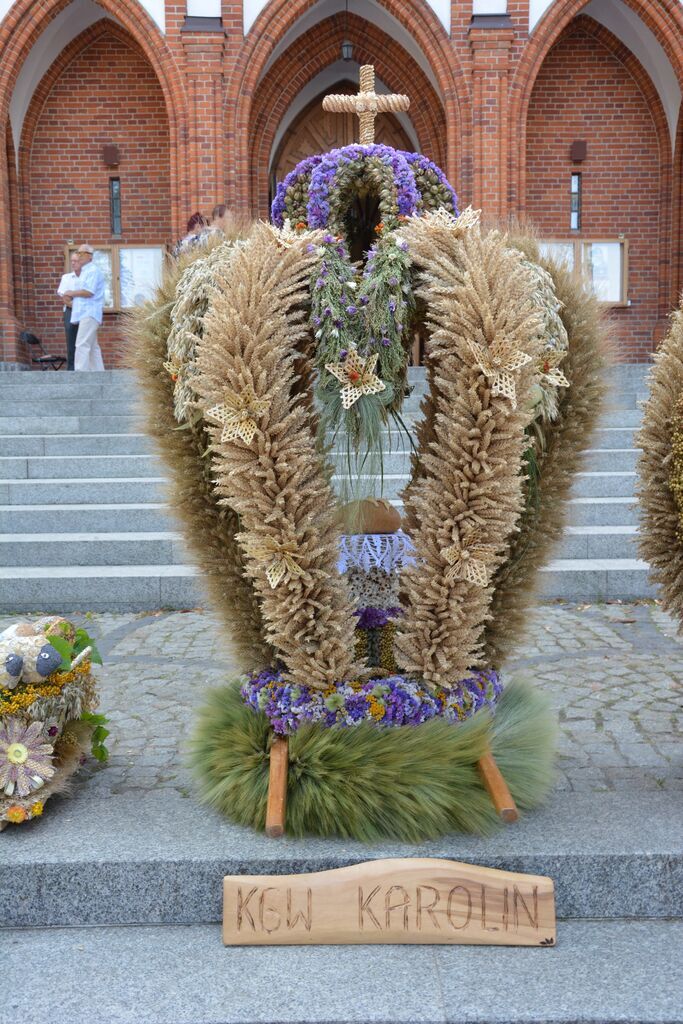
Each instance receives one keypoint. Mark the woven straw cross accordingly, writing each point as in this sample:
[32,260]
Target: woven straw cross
[366,104]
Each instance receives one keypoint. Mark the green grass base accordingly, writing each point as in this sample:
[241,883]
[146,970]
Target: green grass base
[409,783]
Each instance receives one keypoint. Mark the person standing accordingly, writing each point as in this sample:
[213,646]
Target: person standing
[69,282]
[86,311]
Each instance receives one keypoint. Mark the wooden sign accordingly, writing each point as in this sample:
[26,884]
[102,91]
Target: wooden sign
[407,900]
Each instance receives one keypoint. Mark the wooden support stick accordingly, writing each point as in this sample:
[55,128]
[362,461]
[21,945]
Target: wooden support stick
[497,788]
[277,787]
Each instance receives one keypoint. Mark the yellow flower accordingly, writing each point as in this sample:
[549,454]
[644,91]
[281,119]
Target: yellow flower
[16,814]
[37,809]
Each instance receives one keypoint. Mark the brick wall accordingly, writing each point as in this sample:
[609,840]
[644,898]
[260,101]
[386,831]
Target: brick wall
[107,93]
[584,92]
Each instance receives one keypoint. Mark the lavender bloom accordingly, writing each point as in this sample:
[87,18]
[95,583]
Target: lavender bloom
[393,701]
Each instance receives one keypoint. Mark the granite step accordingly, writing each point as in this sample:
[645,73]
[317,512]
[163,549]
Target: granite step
[621,511]
[167,547]
[598,542]
[596,579]
[158,856]
[102,490]
[606,972]
[108,424]
[70,445]
[610,484]
[81,549]
[91,518]
[79,467]
[99,588]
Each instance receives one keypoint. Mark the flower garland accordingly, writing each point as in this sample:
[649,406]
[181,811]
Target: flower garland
[317,191]
[291,196]
[436,191]
[676,474]
[367,313]
[394,701]
[379,169]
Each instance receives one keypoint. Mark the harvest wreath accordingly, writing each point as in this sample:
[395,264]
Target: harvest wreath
[48,719]
[372,697]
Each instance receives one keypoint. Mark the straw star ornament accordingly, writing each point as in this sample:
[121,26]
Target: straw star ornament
[548,368]
[357,377]
[498,362]
[239,414]
[173,366]
[281,559]
[468,560]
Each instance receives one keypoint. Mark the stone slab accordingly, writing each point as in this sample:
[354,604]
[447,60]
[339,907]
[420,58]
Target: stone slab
[160,857]
[599,973]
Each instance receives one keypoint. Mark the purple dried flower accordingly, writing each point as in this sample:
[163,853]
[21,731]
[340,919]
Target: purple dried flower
[351,310]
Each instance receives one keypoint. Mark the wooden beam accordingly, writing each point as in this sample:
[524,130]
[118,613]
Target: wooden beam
[277,787]
[497,788]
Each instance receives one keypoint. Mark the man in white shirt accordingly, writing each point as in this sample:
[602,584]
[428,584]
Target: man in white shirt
[69,282]
[86,311]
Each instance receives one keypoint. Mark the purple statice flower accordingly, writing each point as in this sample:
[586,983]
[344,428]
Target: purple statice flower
[339,324]
[295,177]
[320,283]
[423,165]
[385,702]
[327,311]
[310,247]
[364,299]
[392,305]
[352,310]
[371,617]
[386,342]
[343,353]
[403,245]
[393,281]
[316,320]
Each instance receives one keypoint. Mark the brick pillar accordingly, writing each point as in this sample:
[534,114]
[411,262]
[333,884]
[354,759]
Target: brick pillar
[203,43]
[490,38]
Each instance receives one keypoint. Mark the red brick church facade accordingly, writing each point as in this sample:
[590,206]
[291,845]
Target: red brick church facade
[196,114]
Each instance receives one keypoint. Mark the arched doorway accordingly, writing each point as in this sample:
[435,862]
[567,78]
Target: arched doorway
[611,237]
[68,187]
[287,48]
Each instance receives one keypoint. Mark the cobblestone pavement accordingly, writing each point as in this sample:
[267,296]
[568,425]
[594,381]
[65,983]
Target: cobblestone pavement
[614,673]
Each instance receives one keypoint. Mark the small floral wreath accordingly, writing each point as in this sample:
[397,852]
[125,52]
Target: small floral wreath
[316,192]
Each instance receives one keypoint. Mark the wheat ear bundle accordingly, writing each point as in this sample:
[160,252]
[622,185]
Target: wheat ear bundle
[660,471]
[557,460]
[465,502]
[264,456]
[208,528]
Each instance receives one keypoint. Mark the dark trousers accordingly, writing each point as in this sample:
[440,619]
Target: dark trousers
[70,330]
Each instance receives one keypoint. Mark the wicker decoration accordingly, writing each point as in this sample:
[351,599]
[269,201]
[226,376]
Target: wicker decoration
[366,104]
[470,452]
[209,529]
[357,377]
[238,414]
[659,467]
[253,336]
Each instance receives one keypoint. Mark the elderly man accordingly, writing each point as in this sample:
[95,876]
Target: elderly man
[86,311]
[69,282]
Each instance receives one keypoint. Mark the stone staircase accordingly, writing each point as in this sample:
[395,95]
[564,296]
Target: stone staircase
[84,524]
[116,903]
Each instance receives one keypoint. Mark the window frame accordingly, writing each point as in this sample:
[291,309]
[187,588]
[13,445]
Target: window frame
[115,249]
[580,267]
